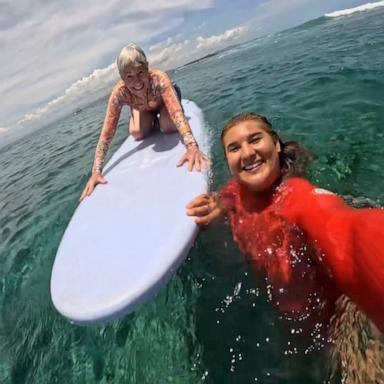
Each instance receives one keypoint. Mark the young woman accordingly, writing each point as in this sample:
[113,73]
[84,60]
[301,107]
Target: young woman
[149,93]
[310,246]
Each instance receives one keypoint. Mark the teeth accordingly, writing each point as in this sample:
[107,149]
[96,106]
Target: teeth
[252,166]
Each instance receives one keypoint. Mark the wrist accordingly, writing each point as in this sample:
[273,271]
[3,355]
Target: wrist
[192,146]
[189,140]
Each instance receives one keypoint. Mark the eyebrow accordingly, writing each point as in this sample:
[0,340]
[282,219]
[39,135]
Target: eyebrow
[249,137]
[230,145]
[255,134]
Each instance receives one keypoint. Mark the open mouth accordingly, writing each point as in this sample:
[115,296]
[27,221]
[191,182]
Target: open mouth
[252,167]
[139,88]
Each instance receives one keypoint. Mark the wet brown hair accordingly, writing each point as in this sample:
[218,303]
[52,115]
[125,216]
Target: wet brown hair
[294,157]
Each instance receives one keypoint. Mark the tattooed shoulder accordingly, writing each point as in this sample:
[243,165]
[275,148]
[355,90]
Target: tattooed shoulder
[160,79]
[120,94]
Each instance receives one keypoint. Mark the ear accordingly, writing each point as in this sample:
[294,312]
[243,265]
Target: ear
[278,146]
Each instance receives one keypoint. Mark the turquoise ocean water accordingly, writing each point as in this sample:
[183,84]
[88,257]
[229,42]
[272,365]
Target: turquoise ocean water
[321,83]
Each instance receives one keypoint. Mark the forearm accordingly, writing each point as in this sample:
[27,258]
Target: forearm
[101,153]
[177,115]
[108,132]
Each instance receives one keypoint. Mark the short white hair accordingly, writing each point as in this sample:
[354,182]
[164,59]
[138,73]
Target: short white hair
[130,55]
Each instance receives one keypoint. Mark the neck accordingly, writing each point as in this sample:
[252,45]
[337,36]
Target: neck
[263,199]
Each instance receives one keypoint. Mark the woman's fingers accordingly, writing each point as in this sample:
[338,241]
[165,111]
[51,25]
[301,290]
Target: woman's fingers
[182,161]
[204,208]
[191,161]
[83,195]
[91,184]
[198,201]
[85,192]
[207,219]
[195,158]
[91,187]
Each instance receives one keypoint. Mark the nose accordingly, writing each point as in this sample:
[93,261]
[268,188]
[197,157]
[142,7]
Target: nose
[247,152]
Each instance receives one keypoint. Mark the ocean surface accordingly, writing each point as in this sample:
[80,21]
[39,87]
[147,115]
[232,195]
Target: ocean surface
[321,83]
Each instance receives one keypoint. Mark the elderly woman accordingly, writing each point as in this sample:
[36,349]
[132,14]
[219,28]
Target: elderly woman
[153,102]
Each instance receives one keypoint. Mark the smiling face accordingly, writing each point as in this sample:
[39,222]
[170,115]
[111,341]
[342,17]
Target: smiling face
[136,79]
[252,155]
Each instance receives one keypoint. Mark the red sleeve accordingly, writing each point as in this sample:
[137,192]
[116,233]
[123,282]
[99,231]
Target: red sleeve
[350,242]
[228,195]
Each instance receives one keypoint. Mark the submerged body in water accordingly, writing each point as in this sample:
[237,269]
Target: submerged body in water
[310,240]
[309,245]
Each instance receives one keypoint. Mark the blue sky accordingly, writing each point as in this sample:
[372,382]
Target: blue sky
[50,49]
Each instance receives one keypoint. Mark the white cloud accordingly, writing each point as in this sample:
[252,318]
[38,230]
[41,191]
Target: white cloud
[79,94]
[168,54]
[217,41]
[48,46]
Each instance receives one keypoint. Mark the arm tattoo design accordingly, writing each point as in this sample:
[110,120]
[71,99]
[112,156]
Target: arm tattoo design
[175,110]
[108,132]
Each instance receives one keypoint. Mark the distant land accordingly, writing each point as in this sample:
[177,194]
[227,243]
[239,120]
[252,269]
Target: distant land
[206,56]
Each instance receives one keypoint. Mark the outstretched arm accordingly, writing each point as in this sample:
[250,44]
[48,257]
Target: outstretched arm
[107,133]
[350,241]
[194,157]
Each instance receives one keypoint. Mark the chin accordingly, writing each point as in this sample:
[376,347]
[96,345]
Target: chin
[258,183]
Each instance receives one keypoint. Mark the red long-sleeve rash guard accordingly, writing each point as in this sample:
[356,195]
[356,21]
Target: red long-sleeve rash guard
[302,224]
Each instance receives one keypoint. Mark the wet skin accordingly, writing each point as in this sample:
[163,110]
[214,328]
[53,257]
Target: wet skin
[252,155]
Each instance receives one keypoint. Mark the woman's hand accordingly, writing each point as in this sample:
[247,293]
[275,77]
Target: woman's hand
[205,208]
[96,178]
[195,158]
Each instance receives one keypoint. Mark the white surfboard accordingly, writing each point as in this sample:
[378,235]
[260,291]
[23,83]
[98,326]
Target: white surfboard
[126,240]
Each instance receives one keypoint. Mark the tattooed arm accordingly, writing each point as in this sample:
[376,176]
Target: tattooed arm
[109,129]
[174,108]
[107,133]
[193,157]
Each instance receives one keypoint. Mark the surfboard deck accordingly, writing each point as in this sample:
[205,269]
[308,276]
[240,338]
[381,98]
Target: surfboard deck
[126,240]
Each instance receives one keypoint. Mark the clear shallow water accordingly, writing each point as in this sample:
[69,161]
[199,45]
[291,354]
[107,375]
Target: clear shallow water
[322,84]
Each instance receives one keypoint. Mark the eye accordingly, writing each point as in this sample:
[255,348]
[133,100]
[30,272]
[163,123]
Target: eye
[233,148]
[255,139]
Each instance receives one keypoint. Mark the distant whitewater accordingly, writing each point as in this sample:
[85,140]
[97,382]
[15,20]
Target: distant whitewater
[360,8]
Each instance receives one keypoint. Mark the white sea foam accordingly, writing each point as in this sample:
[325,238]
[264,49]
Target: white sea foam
[360,8]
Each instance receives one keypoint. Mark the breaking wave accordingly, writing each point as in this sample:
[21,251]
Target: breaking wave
[360,8]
